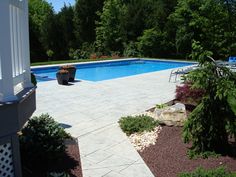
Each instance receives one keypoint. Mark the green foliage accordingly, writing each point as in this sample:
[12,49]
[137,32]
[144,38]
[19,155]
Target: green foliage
[214,116]
[162,28]
[194,155]
[41,27]
[64,32]
[205,21]
[64,174]
[85,17]
[131,50]
[109,34]
[200,172]
[42,140]
[138,124]
[33,79]
[198,53]
[83,53]
[152,43]
[50,53]
[161,106]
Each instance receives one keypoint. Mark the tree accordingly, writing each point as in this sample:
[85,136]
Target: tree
[152,43]
[204,21]
[85,16]
[40,27]
[110,34]
[64,31]
[214,119]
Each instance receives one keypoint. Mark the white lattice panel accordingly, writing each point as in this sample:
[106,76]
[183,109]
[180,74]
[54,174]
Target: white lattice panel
[6,162]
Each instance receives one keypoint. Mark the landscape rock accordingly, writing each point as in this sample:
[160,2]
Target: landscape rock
[171,116]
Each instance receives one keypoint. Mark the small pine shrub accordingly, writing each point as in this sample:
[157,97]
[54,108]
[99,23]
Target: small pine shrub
[42,142]
[200,172]
[139,124]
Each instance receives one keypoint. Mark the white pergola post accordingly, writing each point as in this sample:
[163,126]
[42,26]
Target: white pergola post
[14,49]
[6,84]
[27,76]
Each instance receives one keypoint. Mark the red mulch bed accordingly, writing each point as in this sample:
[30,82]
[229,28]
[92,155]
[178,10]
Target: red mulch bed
[73,153]
[168,157]
[71,163]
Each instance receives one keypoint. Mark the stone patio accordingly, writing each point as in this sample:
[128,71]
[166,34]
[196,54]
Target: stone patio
[90,111]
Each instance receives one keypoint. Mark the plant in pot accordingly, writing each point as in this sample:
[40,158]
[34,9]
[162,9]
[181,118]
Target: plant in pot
[62,76]
[72,70]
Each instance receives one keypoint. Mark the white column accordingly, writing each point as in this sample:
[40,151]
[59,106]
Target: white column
[26,53]
[7,88]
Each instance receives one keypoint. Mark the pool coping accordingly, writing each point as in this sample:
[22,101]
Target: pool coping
[105,61]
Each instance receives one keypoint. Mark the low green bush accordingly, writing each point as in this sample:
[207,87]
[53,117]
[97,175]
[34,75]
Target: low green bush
[133,124]
[42,142]
[33,79]
[194,155]
[161,106]
[200,172]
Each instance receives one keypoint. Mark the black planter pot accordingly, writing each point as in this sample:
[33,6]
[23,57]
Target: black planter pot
[62,78]
[72,72]
[71,69]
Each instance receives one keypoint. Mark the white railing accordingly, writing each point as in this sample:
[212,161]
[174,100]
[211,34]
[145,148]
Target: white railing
[14,49]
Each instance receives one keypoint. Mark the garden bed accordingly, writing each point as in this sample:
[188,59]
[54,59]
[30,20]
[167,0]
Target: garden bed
[71,163]
[168,157]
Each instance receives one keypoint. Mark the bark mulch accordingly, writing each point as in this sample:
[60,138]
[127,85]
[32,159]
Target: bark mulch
[70,163]
[168,157]
[74,160]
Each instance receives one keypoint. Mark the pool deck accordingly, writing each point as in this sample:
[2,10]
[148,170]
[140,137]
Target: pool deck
[90,111]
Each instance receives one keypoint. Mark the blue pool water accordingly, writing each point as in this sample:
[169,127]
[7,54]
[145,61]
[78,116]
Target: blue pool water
[110,70]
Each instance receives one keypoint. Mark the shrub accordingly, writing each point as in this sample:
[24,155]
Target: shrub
[152,43]
[216,111]
[138,124]
[42,142]
[131,50]
[33,79]
[104,57]
[93,56]
[50,53]
[161,106]
[186,93]
[200,172]
[63,174]
[115,55]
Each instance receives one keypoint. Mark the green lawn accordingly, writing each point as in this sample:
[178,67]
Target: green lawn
[67,61]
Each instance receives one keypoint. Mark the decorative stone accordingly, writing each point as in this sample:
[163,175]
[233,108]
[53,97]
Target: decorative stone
[171,116]
[145,139]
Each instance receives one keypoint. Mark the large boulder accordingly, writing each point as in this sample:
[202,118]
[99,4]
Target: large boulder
[174,115]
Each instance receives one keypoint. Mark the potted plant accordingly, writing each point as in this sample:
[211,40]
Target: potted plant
[62,76]
[72,70]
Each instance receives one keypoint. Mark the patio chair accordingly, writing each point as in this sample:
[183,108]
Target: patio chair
[179,72]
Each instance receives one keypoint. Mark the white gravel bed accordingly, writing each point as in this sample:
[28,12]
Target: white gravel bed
[145,139]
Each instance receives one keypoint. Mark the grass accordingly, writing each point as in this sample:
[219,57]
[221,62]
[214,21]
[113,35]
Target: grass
[68,61]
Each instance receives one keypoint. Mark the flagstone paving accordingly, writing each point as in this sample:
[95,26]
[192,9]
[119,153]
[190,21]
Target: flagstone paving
[90,111]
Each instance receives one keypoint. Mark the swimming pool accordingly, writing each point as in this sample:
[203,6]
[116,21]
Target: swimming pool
[98,71]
